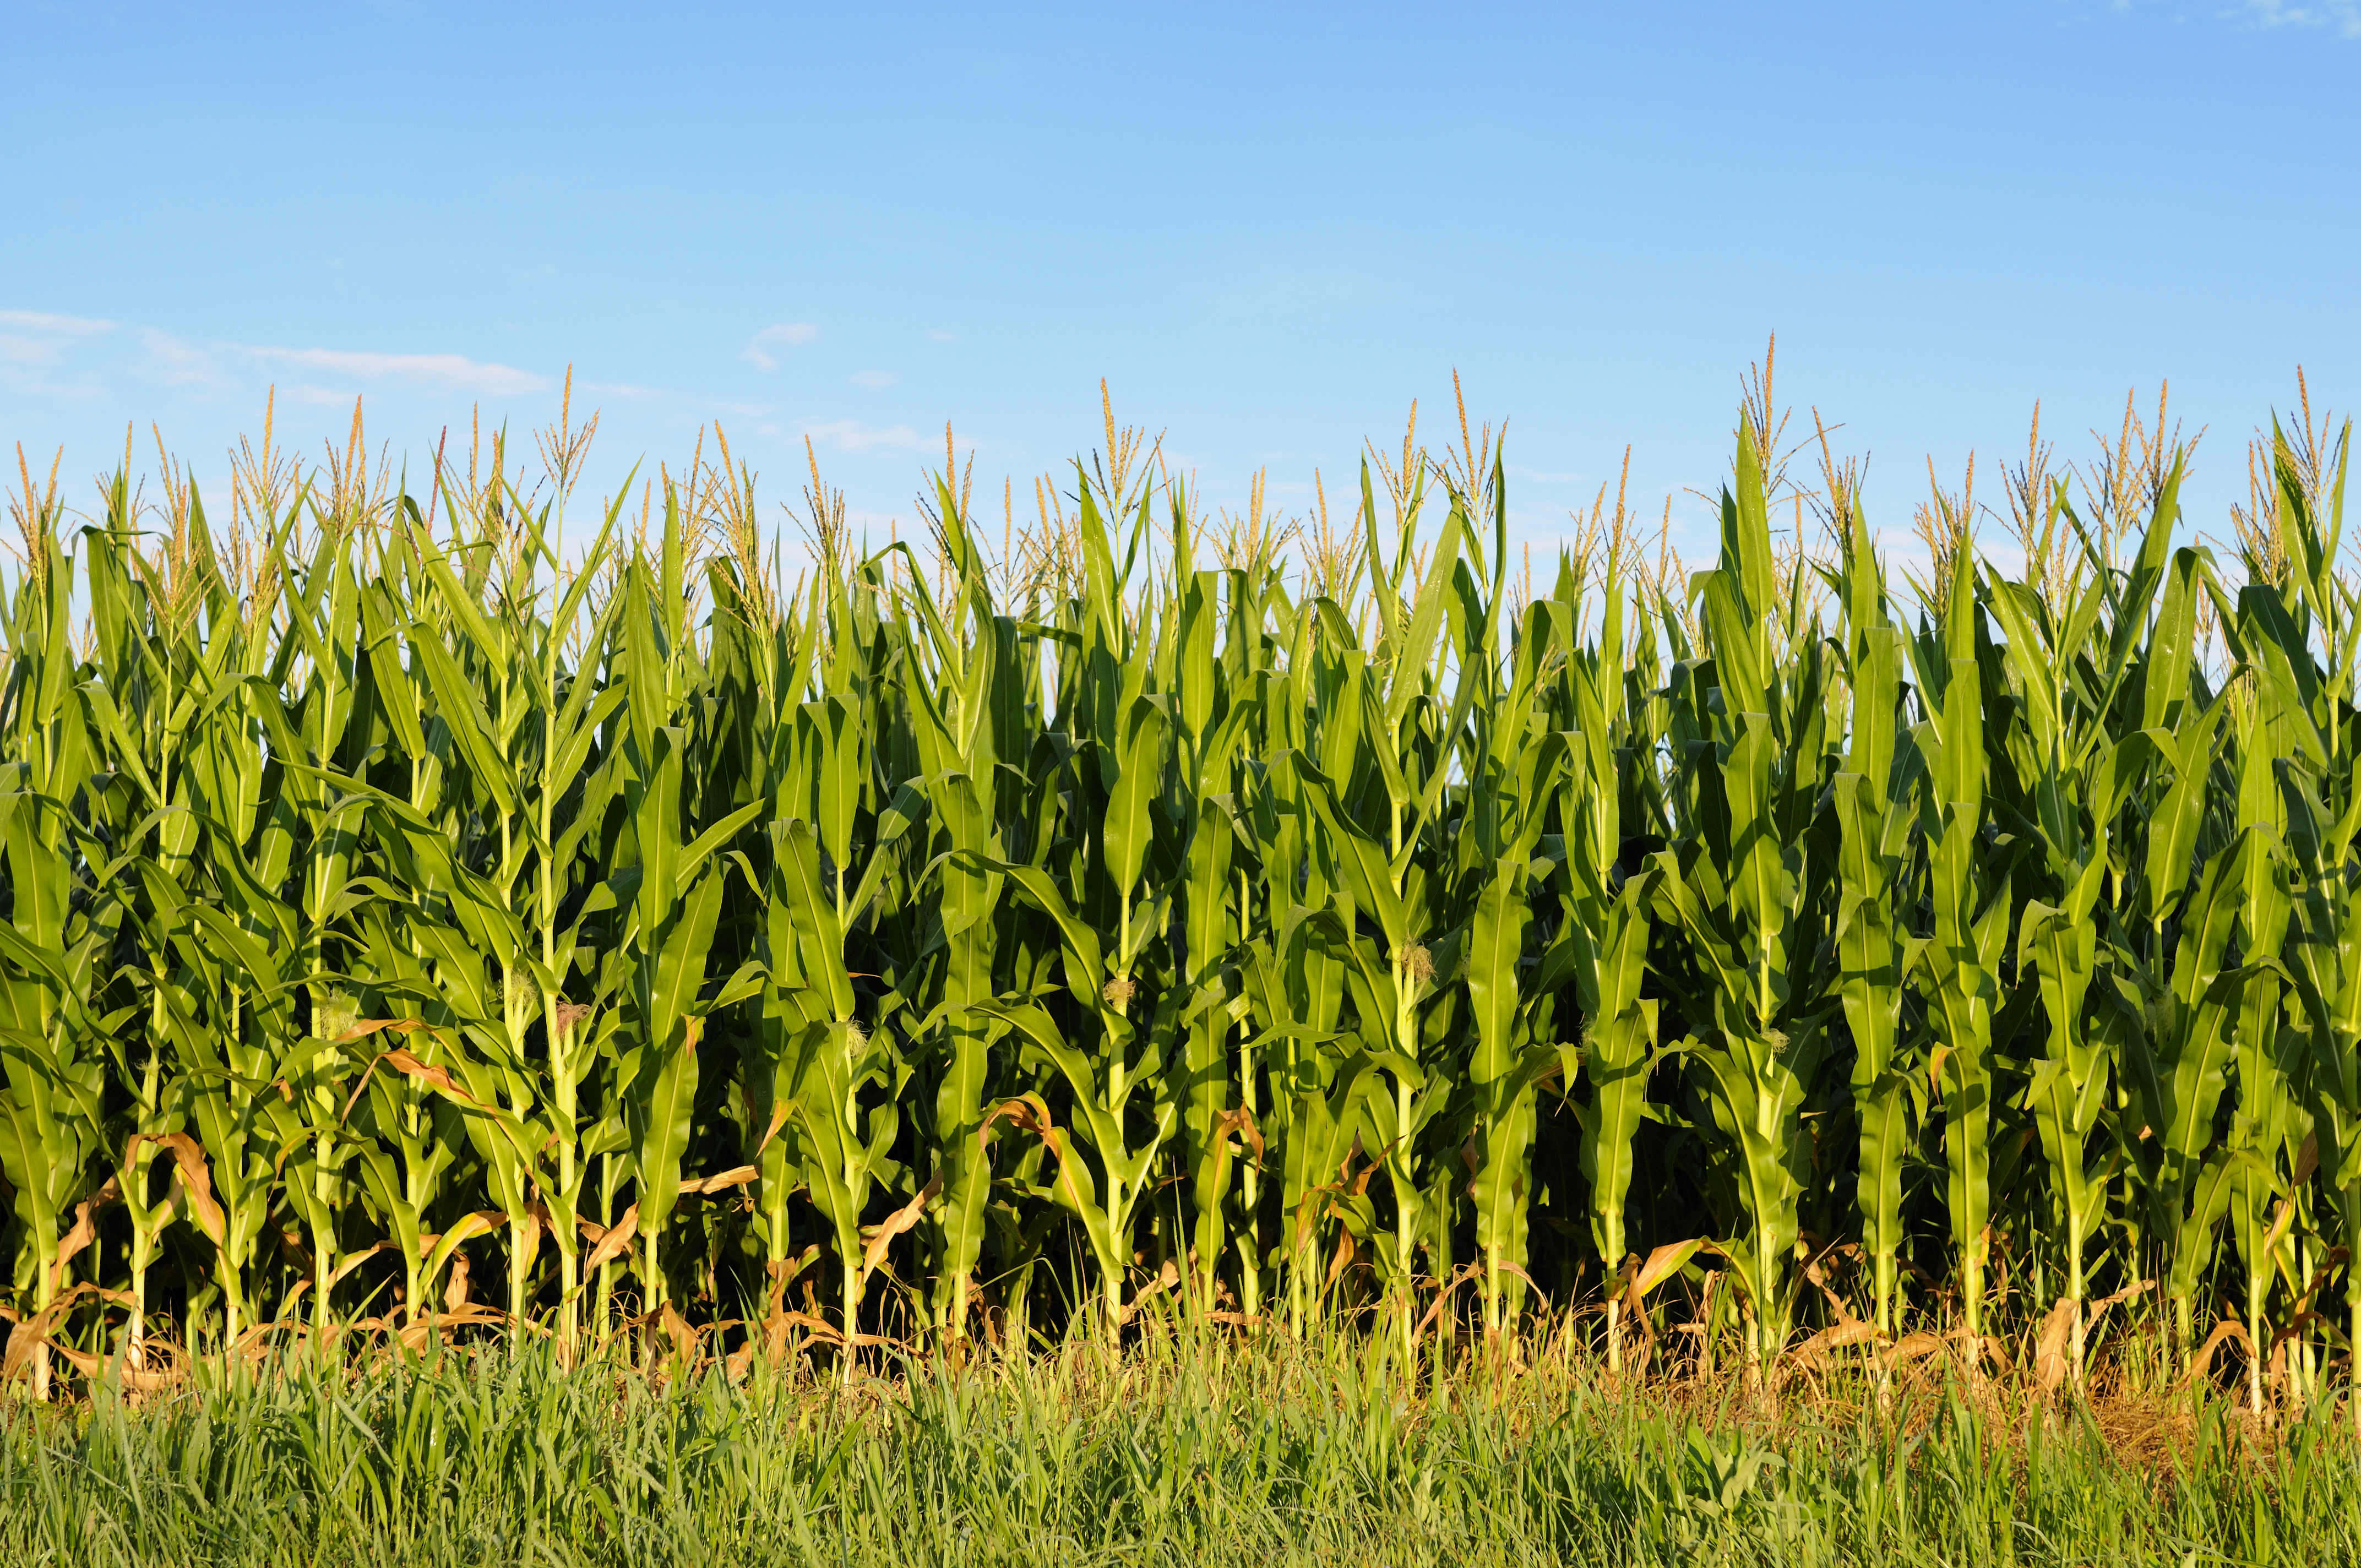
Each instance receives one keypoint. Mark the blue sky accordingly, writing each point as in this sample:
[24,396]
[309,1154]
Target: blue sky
[1269,227]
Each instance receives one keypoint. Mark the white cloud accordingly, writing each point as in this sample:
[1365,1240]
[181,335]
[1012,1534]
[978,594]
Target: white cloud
[45,354]
[54,326]
[15,350]
[2341,16]
[851,436]
[940,336]
[443,372]
[666,398]
[316,397]
[625,391]
[781,334]
[35,346]
[875,380]
[28,370]
[178,363]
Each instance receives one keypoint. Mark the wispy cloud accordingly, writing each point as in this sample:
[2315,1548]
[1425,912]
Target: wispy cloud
[176,362]
[940,336]
[35,344]
[875,380]
[2342,17]
[625,391]
[760,348]
[54,326]
[668,398]
[25,349]
[439,372]
[309,396]
[45,354]
[853,435]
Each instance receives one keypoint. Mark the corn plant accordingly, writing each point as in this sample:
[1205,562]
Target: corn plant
[1739,889]
[417,921]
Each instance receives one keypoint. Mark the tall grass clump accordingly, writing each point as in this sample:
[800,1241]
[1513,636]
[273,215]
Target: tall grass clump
[1182,1451]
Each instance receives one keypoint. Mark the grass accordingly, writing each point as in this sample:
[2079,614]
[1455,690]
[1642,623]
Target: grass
[1189,1449]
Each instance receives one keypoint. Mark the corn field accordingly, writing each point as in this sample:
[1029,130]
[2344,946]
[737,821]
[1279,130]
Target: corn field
[416,929]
